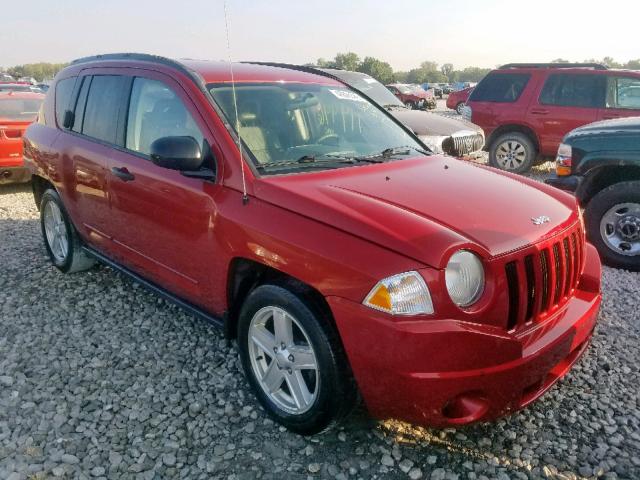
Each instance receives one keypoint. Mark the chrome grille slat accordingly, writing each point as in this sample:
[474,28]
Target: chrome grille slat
[466,144]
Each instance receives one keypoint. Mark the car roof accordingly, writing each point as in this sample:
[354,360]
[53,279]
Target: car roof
[210,71]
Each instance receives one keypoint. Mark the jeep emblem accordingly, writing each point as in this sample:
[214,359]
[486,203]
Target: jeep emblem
[540,220]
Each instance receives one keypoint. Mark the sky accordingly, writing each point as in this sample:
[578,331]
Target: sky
[404,33]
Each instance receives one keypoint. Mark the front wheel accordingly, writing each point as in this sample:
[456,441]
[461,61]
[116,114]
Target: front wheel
[294,361]
[409,105]
[60,238]
[512,152]
[459,108]
[613,225]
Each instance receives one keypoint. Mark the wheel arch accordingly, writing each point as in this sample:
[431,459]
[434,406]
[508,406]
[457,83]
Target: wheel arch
[610,173]
[510,128]
[39,185]
[245,275]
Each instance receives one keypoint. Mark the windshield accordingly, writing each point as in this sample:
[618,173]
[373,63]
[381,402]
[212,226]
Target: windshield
[369,86]
[19,109]
[295,126]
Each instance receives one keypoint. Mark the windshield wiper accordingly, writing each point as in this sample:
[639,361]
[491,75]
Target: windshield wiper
[388,153]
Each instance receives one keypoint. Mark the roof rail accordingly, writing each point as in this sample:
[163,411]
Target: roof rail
[594,66]
[128,56]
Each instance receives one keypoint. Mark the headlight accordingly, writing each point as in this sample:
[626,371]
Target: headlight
[464,277]
[402,294]
[564,160]
[434,142]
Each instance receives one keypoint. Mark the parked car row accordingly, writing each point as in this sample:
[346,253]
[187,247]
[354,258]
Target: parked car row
[413,96]
[310,222]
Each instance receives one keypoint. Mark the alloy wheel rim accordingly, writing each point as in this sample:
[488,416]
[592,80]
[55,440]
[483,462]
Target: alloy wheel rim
[56,231]
[620,229]
[511,155]
[283,360]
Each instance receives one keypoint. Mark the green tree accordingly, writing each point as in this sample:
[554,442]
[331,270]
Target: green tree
[40,71]
[447,69]
[347,61]
[633,64]
[378,69]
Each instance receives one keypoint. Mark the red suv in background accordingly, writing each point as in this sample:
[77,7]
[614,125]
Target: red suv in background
[316,229]
[17,111]
[456,100]
[526,109]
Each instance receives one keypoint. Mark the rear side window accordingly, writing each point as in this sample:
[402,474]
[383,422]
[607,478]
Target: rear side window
[573,90]
[101,113]
[623,92]
[81,103]
[500,87]
[64,89]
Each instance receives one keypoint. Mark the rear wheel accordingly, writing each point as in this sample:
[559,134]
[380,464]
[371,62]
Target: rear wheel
[294,361]
[613,225]
[512,152]
[409,105]
[60,238]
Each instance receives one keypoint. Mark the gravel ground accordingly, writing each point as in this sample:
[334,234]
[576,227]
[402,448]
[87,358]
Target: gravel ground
[99,378]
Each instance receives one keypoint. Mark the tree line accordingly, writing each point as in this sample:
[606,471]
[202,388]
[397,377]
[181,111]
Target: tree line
[427,71]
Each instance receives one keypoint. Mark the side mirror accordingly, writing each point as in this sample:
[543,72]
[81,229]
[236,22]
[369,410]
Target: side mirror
[177,153]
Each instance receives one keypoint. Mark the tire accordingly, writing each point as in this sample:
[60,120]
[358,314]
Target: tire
[330,387]
[513,152]
[459,108]
[616,209]
[410,105]
[60,237]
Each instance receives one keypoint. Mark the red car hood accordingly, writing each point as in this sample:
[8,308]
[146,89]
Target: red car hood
[425,207]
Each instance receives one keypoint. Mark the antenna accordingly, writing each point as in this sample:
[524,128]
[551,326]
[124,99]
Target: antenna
[245,197]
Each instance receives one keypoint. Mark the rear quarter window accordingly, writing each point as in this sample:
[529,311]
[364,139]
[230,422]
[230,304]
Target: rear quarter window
[500,87]
[64,89]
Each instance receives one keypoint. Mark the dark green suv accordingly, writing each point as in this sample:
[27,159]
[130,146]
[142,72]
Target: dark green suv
[600,162]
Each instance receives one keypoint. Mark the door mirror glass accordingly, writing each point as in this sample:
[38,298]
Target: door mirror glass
[177,153]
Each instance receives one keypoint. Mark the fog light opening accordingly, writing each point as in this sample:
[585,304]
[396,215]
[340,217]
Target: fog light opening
[466,408]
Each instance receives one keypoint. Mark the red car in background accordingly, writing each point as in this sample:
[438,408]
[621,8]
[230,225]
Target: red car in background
[412,96]
[17,111]
[341,254]
[525,109]
[456,100]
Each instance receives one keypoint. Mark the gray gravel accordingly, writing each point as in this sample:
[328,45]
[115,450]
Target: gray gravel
[101,379]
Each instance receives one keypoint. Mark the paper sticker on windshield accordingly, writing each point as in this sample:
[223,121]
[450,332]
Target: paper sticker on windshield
[347,95]
[370,80]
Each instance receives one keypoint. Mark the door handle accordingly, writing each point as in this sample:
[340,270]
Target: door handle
[123,174]
[539,111]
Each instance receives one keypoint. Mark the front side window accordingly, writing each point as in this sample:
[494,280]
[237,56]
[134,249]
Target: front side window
[155,111]
[295,126]
[500,87]
[623,92]
[19,109]
[573,90]
[103,107]
[64,89]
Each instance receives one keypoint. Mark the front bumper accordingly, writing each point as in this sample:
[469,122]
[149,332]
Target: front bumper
[14,175]
[569,183]
[447,372]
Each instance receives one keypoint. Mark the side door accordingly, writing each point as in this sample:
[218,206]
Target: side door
[566,101]
[86,146]
[163,222]
[623,97]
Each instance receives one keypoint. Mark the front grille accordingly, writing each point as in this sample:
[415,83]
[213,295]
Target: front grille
[464,144]
[543,277]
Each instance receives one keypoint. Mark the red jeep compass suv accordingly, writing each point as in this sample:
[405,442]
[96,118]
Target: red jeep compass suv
[318,231]
[526,109]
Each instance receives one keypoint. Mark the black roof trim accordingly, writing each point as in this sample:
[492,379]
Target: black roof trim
[594,66]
